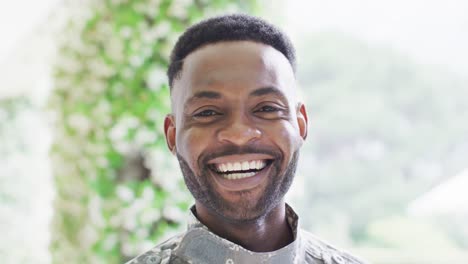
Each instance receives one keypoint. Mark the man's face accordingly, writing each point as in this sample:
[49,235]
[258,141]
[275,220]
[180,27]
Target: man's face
[236,127]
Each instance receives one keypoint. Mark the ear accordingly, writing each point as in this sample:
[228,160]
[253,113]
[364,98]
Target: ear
[170,132]
[302,120]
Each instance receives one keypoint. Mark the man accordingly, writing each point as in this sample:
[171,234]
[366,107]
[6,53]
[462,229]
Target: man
[236,128]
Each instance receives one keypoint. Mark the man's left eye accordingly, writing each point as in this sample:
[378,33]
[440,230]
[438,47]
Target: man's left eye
[268,108]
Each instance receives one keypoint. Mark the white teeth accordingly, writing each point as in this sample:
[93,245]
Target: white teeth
[245,165]
[241,166]
[260,164]
[235,176]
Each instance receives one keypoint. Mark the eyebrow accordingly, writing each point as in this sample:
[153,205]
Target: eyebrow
[268,90]
[203,95]
[216,95]
[207,94]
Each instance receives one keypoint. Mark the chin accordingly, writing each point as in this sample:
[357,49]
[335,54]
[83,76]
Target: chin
[248,206]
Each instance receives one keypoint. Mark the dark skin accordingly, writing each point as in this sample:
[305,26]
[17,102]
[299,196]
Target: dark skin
[265,235]
[238,95]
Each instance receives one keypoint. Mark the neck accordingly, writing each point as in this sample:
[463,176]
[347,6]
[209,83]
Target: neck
[268,233]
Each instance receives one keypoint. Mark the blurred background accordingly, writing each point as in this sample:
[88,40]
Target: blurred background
[85,176]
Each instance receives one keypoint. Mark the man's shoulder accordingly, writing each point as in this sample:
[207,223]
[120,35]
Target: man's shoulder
[160,254]
[329,254]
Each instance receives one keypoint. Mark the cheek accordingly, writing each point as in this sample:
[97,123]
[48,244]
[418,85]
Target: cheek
[286,136]
[190,145]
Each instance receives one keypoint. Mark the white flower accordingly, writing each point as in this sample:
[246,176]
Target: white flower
[153,114]
[136,61]
[119,131]
[145,136]
[100,69]
[179,8]
[149,216]
[141,232]
[110,241]
[128,73]
[128,249]
[173,213]
[129,223]
[147,51]
[102,162]
[95,211]
[115,49]
[156,77]
[102,110]
[123,147]
[96,86]
[130,122]
[162,29]
[118,2]
[89,234]
[146,245]
[140,7]
[125,193]
[80,123]
[148,194]
[154,3]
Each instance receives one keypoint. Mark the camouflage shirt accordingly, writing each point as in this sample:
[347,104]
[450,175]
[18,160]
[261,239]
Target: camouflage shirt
[200,245]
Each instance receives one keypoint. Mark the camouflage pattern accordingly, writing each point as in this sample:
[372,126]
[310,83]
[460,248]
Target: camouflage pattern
[200,246]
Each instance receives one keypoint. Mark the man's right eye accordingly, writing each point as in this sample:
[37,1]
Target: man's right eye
[206,113]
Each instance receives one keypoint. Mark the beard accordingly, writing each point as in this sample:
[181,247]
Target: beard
[245,209]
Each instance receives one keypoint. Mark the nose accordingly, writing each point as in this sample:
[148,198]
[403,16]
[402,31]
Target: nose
[239,131]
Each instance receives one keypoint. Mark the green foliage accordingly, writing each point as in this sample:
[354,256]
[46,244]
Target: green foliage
[118,193]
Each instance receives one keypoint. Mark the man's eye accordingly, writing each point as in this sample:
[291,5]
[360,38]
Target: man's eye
[206,113]
[268,108]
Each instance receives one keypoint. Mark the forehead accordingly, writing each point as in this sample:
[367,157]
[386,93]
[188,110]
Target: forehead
[234,66]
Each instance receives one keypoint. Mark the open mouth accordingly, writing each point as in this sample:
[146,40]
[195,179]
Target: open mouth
[240,169]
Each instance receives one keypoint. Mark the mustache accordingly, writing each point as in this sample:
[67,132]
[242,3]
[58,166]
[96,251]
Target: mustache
[238,150]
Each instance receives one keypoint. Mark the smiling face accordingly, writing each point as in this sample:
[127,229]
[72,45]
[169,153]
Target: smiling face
[236,127]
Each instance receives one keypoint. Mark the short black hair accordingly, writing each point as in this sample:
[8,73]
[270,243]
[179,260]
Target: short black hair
[235,27]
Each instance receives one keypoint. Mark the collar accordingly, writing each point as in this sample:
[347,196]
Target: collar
[291,217]
[201,245]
